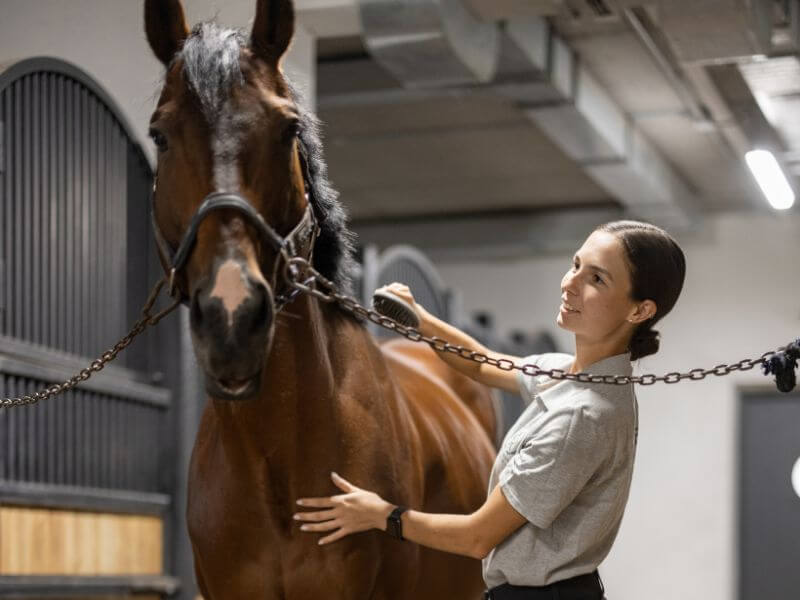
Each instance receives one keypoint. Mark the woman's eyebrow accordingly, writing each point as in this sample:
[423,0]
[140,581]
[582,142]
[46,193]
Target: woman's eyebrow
[595,268]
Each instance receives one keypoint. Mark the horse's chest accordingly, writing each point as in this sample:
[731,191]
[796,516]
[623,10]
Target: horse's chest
[247,546]
[234,540]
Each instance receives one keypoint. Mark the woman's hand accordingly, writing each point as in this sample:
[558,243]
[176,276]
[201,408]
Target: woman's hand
[402,291]
[355,510]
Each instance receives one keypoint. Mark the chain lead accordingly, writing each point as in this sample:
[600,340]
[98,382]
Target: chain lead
[300,275]
[301,267]
[96,365]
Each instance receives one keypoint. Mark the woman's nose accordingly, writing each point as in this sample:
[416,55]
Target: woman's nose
[568,284]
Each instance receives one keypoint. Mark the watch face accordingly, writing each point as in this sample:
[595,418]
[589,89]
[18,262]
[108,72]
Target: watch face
[394,525]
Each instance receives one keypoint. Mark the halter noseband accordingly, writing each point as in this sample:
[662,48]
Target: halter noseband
[301,238]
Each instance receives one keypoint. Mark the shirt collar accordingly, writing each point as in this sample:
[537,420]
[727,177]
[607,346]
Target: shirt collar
[619,364]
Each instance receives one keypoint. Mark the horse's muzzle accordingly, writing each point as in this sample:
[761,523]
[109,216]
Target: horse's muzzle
[232,341]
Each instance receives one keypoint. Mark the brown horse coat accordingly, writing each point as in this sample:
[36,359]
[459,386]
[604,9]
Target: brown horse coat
[299,393]
[388,419]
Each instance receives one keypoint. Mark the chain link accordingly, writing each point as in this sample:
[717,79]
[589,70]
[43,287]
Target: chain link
[98,364]
[301,269]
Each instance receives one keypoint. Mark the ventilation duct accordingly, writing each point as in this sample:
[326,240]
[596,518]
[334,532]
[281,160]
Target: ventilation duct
[580,116]
[496,10]
[430,43]
[544,77]
[740,28]
[522,69]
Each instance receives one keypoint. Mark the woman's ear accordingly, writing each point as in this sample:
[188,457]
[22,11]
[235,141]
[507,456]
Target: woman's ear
[644,311]
[165,25]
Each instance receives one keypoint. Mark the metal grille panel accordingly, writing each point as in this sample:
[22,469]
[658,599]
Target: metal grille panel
[84,439]
[63,216]
[74,271]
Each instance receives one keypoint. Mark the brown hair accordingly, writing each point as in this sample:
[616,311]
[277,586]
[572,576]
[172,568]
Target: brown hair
[657,268]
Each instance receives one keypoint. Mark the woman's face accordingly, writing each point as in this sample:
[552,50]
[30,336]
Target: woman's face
[595,291]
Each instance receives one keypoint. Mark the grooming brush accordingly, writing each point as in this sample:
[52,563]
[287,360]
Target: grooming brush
[392,306]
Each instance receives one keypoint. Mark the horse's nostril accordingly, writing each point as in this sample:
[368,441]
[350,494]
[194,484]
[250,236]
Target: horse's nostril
[263,308]
[195,312]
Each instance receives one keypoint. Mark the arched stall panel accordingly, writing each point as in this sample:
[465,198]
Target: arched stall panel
[88,478]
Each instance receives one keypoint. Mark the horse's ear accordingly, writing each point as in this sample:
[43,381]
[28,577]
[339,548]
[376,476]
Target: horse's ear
[166,28]
[273,29]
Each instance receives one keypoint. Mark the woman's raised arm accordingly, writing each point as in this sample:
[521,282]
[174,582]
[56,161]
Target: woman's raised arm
[431,325]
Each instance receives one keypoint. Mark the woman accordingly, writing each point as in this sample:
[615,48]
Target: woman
[560,482]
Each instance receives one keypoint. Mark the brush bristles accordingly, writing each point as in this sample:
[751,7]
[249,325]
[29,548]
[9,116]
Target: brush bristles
[390,305]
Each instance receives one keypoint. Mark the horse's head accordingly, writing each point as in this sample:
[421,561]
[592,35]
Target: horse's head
[230,183]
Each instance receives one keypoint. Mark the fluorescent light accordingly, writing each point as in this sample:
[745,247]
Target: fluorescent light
[770,178]
[796,477]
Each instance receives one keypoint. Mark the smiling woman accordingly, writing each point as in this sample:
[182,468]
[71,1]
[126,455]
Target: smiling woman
[560,483]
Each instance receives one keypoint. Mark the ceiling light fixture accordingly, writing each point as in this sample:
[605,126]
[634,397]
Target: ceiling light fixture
[770,178]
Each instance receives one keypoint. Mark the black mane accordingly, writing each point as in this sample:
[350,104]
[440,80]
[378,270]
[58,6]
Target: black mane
[333,252]
[211,66]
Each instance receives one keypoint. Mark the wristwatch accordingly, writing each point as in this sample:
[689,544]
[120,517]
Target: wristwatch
[394,526]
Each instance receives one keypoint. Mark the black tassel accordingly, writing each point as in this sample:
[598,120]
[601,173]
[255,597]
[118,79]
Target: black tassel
[782,365]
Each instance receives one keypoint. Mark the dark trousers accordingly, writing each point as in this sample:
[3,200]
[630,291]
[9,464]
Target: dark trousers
[582,587]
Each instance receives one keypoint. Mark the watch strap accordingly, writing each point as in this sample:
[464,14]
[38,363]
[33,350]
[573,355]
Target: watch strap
[394,523]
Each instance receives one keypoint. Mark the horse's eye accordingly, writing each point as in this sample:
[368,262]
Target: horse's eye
[159,139]
[291,132]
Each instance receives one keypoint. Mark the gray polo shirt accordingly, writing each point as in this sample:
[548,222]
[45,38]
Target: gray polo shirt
[566,466]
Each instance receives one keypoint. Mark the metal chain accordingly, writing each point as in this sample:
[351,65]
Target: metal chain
[298,269]
[96,365]
[304,278]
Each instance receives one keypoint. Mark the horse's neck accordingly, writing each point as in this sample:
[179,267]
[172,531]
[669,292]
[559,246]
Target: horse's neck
[308,337]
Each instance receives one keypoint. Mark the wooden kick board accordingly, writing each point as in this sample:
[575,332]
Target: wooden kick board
[35,541]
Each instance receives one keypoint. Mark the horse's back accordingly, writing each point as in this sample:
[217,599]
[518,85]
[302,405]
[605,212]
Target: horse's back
[454,415]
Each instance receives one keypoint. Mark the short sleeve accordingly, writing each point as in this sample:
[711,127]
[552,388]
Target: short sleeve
[550,469]
[526,383]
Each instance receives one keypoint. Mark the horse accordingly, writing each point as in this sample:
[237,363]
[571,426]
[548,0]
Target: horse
[295,387]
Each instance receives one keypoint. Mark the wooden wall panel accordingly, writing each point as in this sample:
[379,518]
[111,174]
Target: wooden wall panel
[57,542]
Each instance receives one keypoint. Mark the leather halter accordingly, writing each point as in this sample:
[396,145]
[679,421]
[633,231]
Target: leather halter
[300,239]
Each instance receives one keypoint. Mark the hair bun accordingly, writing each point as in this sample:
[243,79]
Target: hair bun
[645,341]
[646,334]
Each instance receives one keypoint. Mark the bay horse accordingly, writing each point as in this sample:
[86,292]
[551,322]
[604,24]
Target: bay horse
[296,387]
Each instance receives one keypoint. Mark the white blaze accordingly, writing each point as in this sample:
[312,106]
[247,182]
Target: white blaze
[230,287]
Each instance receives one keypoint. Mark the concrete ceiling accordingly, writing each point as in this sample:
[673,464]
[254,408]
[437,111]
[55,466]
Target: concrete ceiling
[448,156]
[416,154]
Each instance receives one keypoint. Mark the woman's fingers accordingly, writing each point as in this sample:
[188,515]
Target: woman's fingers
[333,537]
[324,526]
[318,502]
[342,483]
[402,291]
[324,515]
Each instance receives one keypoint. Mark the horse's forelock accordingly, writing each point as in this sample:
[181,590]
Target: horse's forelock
[210,58]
